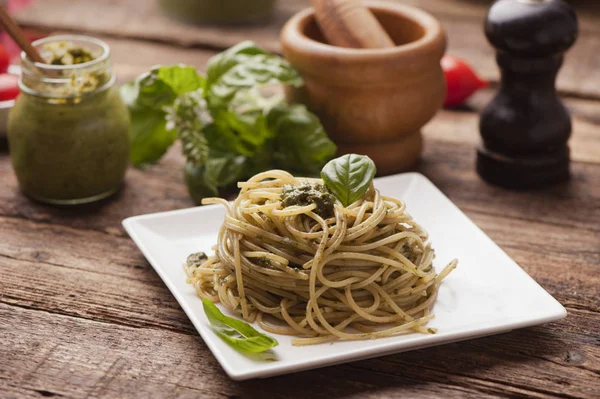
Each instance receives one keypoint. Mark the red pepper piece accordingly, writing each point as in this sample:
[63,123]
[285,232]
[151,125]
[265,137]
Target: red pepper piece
[9,87]
[461,81]
[4,59]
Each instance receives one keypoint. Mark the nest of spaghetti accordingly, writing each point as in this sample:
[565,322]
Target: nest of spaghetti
[294,259]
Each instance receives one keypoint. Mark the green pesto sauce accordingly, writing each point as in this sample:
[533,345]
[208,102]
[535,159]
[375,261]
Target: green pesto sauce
[73,151]
[308,193]
[196,259]
[66,53]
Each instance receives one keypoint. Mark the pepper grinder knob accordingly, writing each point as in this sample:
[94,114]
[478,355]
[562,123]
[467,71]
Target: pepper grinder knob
[526,127]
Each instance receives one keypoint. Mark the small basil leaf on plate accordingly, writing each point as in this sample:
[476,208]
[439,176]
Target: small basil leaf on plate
[237,333]
[349,177]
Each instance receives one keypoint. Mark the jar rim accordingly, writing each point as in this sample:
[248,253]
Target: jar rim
[58,38]
[57,81]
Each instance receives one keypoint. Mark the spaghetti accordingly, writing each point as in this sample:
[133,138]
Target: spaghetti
[322,274]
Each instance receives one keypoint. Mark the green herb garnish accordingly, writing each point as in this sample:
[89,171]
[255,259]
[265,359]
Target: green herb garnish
[196,259]
[229,126]
[349,177]
[240,335]
[146,99]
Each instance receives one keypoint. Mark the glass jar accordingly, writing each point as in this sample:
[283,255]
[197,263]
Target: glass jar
[68,132]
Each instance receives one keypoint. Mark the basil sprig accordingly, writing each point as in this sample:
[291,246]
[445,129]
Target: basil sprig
[349,177]
[230,128]
[236,333]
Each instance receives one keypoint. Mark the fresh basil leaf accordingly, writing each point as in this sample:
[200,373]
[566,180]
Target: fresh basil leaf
[221,137]
[224,169]
[246,115]
[237,333]
[150,138]
[219,171]
[161,86]
[180,78]
[147,99]
[301,144]
[129,92]
[153,92]
[224,61]
[349,177]
[242,67]
[229,128]
[197,185]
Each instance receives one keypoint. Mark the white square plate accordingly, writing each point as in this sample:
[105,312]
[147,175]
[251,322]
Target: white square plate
[487,294]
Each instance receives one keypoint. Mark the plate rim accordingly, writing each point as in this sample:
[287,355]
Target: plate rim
[461,335]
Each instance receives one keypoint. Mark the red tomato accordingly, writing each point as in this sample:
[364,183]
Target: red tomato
[4,59]
[460,80]
[9,87]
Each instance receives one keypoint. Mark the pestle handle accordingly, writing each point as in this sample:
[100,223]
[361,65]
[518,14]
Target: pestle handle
[347,23]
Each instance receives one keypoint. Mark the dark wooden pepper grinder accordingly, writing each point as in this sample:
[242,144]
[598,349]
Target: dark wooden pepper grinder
[526,127]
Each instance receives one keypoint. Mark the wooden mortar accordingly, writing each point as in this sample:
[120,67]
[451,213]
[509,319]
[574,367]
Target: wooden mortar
[348,23]
[372,101]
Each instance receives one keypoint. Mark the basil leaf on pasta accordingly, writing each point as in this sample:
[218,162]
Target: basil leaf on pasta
[238,334]
[349,177]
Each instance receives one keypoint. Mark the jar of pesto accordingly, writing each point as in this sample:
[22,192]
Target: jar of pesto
[68,132]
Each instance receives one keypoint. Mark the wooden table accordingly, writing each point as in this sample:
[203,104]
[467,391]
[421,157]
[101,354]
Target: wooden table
[82,314]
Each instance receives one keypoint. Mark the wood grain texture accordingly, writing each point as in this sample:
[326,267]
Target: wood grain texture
[462,19]
[462,125]
[371,103]
[79,358]
[348,23]
[83,315]
[99,296]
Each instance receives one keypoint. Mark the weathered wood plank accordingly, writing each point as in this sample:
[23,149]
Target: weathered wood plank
[154,189]
[161,186]
[81,358]
[462,125]
[94,296]
[450,166]
[133,57]
[70,248]
[124,327]
[141,19]
[103,277]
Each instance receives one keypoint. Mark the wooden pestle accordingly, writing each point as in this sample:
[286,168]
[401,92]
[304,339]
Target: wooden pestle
[347,23]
